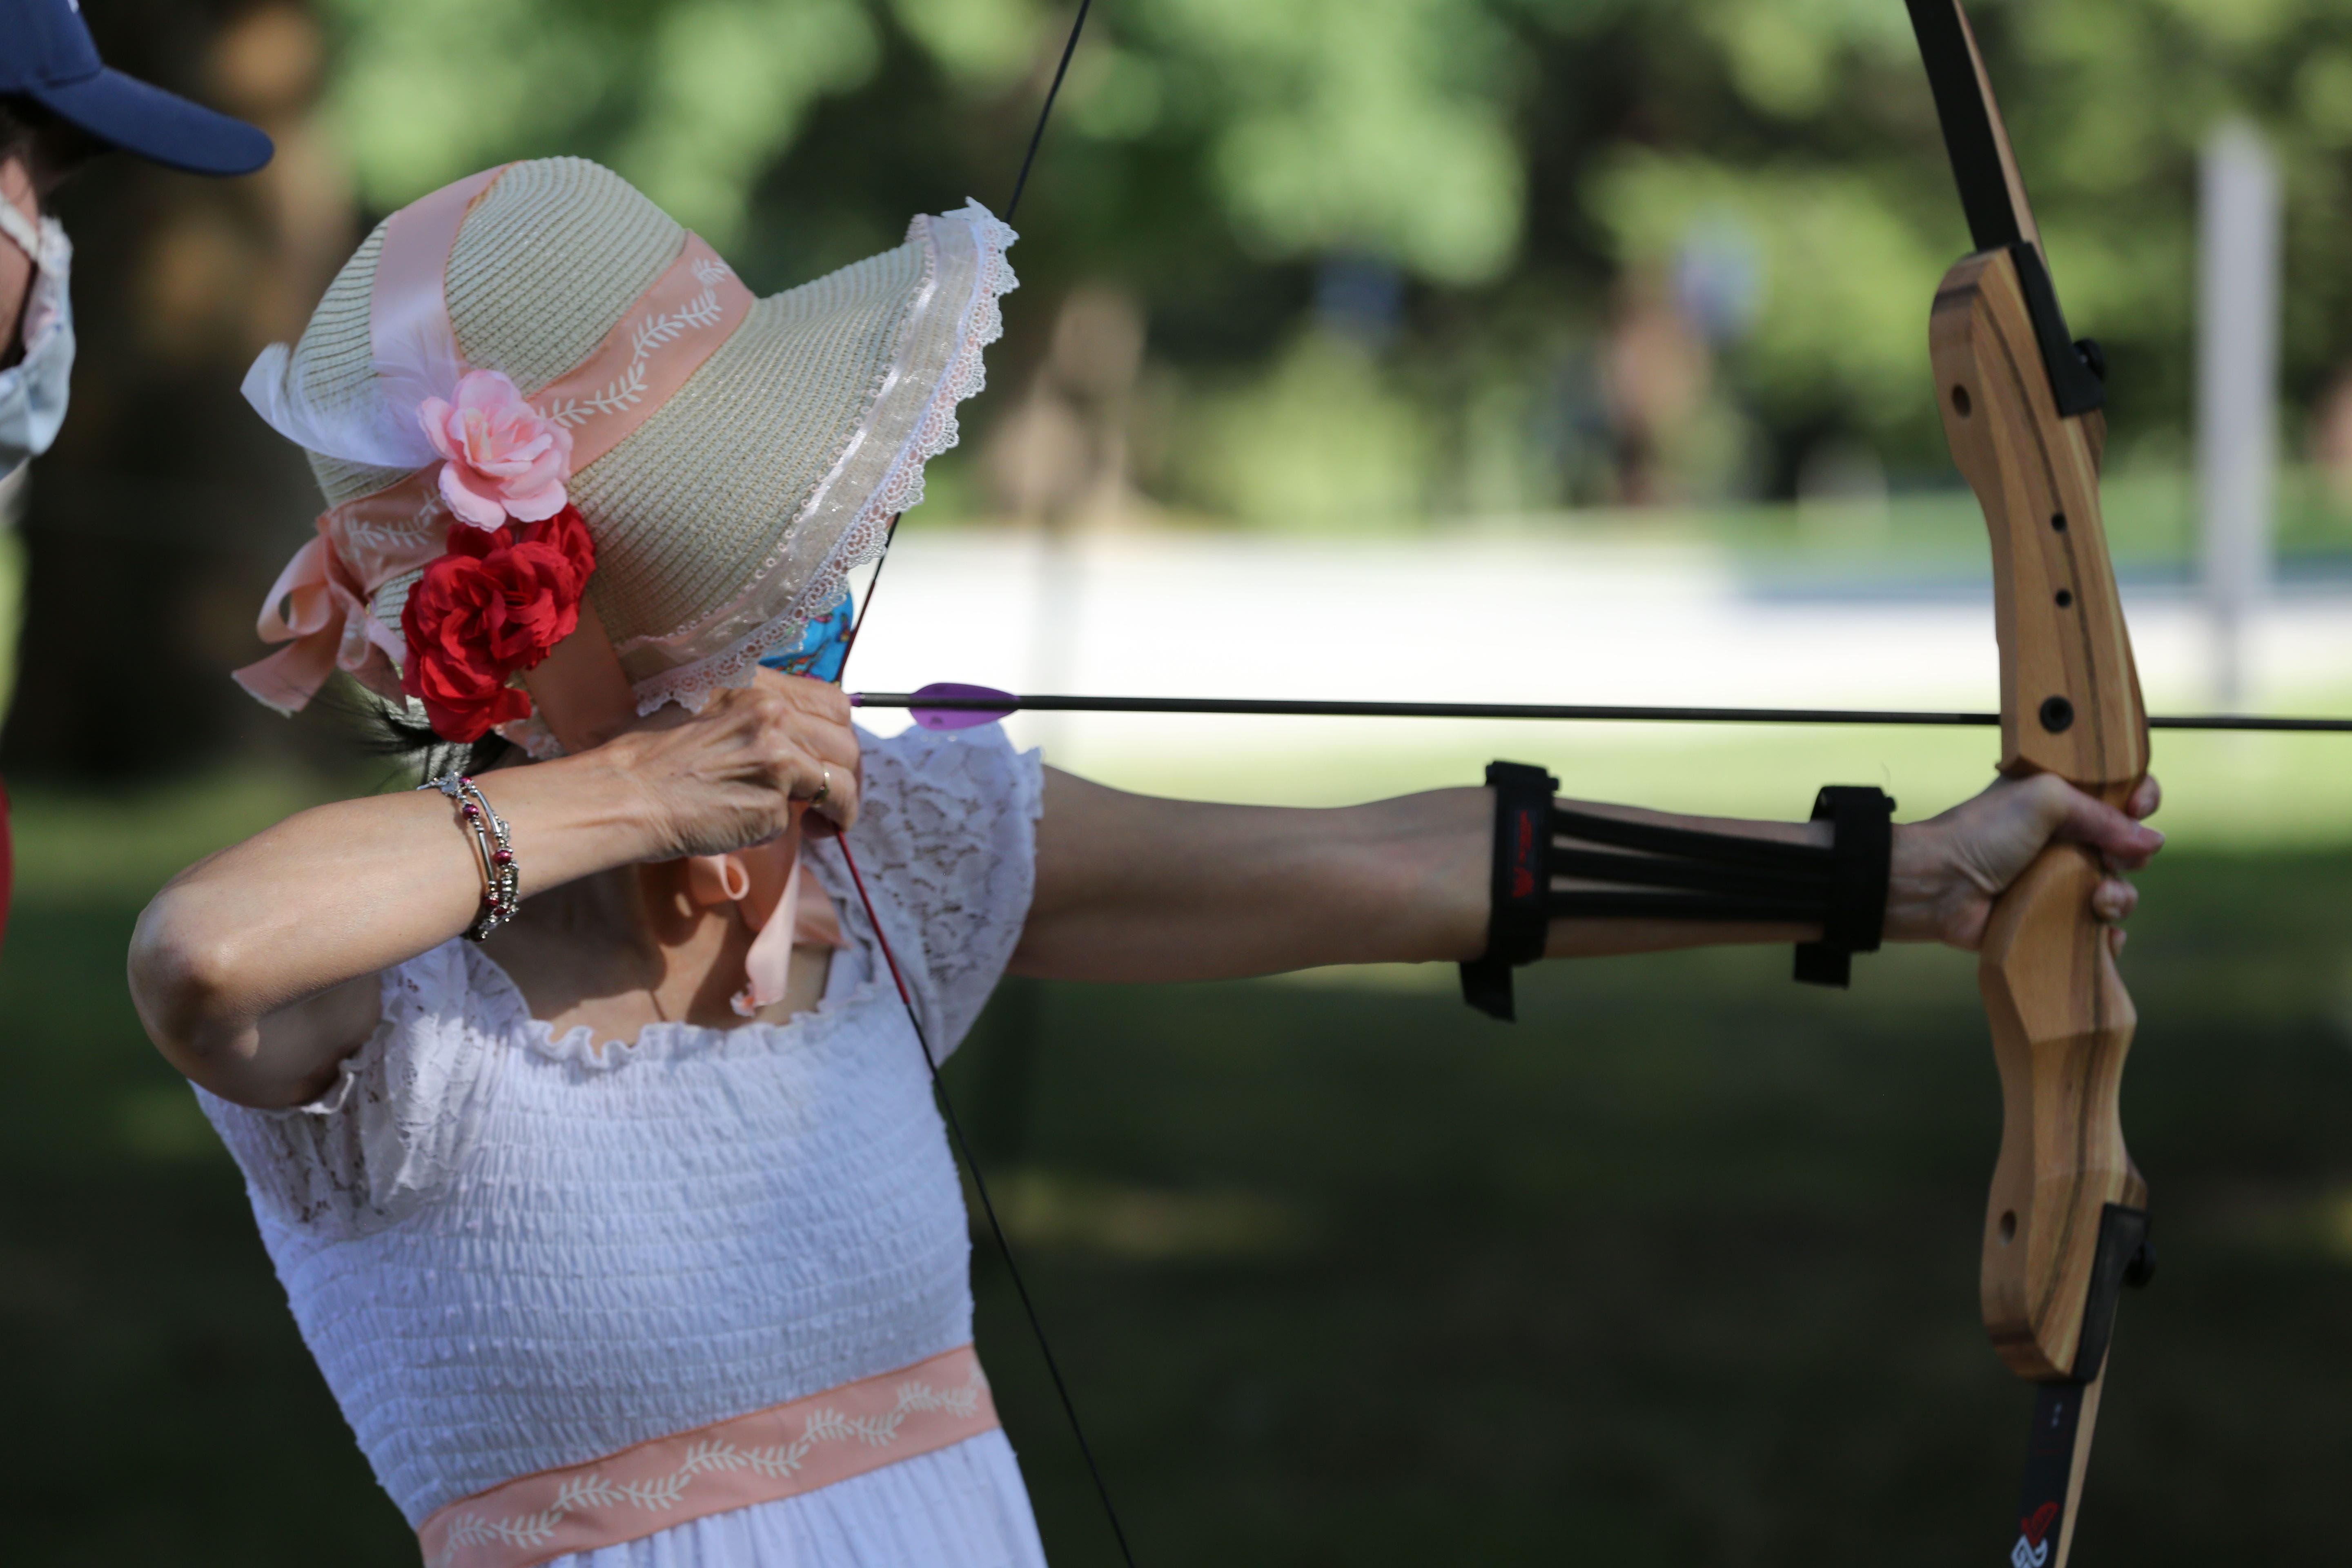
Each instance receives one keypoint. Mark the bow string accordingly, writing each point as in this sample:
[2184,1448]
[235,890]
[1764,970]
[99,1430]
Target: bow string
[897,977]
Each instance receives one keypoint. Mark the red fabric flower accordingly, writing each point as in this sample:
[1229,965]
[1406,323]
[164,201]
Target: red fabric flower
[496,605]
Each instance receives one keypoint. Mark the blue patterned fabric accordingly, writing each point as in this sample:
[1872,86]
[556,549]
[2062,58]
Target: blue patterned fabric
[823,647]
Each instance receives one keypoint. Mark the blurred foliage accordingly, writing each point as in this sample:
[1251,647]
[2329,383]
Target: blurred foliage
[1316,442]
[1515,162]
[1316,125]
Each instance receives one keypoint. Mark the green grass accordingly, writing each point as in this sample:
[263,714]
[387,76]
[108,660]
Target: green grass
[1680,1270]
[2221,792]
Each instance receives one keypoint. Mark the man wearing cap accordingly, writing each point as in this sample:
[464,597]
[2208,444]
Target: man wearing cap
[59,106]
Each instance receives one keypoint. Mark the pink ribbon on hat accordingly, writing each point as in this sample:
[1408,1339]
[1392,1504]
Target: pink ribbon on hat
[324,622]
[319,607]
[408,319]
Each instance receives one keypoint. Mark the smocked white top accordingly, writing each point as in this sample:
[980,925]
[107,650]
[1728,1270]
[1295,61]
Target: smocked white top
[511,1251]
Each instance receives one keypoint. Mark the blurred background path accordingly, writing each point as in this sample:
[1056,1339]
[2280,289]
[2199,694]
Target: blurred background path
[1525,616]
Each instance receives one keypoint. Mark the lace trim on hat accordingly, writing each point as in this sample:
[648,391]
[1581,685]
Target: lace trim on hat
[899,487]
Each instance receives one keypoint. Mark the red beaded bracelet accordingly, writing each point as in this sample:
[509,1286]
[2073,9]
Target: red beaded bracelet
[501,878]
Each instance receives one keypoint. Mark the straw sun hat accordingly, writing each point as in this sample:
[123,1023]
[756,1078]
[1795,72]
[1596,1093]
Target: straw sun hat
[732,458]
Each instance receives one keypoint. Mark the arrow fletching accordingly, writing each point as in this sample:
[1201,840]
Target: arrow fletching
[947,705]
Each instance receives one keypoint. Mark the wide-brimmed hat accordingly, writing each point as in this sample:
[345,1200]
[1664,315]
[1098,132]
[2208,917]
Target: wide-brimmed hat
[733,459]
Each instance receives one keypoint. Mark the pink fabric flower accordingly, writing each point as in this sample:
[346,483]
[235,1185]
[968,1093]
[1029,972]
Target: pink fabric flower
[505,458]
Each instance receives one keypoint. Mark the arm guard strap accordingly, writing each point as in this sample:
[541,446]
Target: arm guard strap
[1648,871]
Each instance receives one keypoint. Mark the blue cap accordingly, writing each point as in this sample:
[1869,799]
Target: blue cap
[46,55]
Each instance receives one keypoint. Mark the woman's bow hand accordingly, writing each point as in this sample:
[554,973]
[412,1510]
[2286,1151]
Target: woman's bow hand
[1947,871]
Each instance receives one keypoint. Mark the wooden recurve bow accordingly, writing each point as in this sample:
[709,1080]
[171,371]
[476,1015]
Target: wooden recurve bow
[2067,1222]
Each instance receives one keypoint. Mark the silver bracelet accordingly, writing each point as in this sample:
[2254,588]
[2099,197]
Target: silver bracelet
[501,878]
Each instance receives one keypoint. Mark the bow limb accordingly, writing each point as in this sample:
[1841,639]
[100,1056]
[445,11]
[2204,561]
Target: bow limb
[2066,1222]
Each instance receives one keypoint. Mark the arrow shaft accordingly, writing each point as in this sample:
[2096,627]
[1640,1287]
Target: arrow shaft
[1308,708]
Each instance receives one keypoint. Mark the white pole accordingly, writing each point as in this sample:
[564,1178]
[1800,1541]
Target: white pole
[2237,386]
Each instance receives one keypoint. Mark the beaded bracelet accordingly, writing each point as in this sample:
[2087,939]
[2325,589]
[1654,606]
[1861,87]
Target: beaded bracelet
[501,878]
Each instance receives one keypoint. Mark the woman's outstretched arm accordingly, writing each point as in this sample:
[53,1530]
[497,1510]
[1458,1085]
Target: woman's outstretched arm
[1132,888]
[255,970]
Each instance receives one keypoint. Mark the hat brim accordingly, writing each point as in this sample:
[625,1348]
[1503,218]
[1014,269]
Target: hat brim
[157,125]
[734,515]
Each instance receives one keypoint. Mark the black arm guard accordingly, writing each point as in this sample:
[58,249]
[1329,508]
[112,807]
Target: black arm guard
[1652,872]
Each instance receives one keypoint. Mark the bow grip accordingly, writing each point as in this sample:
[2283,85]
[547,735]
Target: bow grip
[2061,1022]
[2062,1026]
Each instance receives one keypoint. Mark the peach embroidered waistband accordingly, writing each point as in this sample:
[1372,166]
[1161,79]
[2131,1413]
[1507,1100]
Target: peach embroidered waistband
[779,1452]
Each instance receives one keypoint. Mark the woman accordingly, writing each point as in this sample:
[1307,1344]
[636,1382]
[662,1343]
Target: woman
[626,1234]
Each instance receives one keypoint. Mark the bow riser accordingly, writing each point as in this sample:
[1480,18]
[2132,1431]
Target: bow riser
[2070,692]
[2062,1027]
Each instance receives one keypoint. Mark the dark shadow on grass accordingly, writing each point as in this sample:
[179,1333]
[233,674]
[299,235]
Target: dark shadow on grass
[1681,1270]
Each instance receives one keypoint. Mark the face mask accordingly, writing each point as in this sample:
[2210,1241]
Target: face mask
[823,648]
[33,391]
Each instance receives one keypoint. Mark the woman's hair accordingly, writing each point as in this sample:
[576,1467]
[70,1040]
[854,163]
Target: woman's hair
[385,730]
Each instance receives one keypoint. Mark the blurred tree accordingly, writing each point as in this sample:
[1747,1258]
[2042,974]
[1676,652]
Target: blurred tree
[1371,124]
[1807,120]
[1512,157]
[157,521]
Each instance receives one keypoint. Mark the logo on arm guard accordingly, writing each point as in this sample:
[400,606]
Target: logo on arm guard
[1523,856]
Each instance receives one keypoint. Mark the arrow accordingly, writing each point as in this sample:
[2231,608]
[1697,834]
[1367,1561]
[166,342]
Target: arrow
[947,705]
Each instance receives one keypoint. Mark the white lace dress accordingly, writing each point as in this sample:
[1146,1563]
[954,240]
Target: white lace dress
[511,1251]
